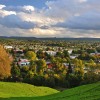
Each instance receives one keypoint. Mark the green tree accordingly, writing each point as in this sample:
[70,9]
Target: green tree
[50,82]
[15,71]
[65,53]
[69,69]
[41,65]
[33,67]
[59,54]
[91,65]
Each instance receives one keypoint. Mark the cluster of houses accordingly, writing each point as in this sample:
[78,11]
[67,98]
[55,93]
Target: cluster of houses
[22,61]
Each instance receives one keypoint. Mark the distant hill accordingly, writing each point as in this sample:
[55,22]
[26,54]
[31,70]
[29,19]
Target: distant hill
[17,91]
[49,38]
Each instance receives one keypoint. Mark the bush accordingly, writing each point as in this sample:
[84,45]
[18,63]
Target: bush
[38,80]
[50,82]
[90,77]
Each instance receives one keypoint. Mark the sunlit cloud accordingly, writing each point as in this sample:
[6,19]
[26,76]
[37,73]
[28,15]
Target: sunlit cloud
[58,18]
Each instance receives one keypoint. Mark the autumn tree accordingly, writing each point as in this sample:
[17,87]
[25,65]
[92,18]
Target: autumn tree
[79,67]
[31,55]
[4,63]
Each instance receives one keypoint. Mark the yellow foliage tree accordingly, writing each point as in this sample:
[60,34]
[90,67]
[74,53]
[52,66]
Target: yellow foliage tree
[5,62]
[31,55]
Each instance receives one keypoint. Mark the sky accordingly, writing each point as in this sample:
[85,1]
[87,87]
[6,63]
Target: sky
[50,18]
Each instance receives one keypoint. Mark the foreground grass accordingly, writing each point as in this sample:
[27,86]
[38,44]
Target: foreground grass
[86,92]
[8,89]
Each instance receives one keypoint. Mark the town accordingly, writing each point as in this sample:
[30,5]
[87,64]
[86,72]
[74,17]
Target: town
[52,62]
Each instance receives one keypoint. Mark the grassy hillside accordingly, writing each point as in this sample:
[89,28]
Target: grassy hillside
[86,92]
[21,90]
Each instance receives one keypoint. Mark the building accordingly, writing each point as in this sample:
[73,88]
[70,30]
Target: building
[8,47]
[52,53]
[23,62]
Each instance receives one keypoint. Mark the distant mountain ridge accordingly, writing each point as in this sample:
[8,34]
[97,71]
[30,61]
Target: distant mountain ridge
[48,38]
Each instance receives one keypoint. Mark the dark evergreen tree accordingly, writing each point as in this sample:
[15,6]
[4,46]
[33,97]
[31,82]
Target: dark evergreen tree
[69,69]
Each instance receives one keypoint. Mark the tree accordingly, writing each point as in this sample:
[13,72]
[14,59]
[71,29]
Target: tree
[15,71]
[91,65]
[73,80]
[69,69]
[50,82]
[40,54]
[41,64]
[38,80]
[33,66]
[31,55]
[30,74]
[79,68]
[59,54]
[66,54]
[5,62]
[90,77]
[86,56]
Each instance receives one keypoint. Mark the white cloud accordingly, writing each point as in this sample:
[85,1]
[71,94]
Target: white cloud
[75,18]
[2,6]
[28,8]
[82,1]
[25,8]
[6,13]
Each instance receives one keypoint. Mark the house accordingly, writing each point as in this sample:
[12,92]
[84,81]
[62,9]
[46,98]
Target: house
[18,51]
[92,54]
[8,47]
[73,57]
[97,71]
[86,69]
[23,62]
[52,53]
[70,51]
[49,65]
[97,53]
[66,64]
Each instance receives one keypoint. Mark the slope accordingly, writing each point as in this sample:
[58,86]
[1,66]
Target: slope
[85,92]
[8,89]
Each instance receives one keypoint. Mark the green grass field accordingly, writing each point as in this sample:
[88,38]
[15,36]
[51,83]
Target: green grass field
[24,92]
[21,90]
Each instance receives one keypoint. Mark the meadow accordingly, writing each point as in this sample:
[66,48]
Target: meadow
[20,91]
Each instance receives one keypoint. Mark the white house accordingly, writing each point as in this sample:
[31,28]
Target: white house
[70,51]
[52,53]
[8,47]
[73,57]
[23,62]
